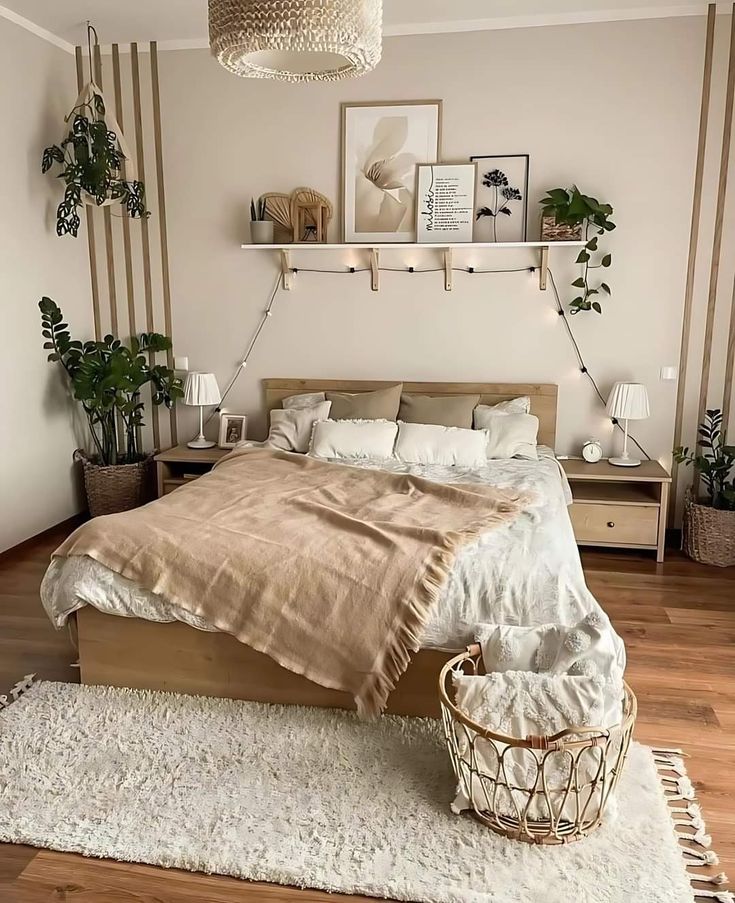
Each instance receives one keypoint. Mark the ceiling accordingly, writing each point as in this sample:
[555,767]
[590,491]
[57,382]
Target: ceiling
[184,22]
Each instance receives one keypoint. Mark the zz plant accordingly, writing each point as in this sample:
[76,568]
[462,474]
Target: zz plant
[569,206]
[91,161]
[716,463]
[107,378]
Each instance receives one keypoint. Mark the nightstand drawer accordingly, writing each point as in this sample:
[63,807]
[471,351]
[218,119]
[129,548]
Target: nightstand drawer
[623,524]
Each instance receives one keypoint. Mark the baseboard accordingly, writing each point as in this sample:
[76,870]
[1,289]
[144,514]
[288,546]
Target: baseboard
[64,527]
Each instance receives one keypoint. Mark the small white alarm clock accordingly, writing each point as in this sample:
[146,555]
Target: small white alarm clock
[592,451]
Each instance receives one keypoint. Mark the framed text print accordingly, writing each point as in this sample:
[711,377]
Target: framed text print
[382,143]
[445,202]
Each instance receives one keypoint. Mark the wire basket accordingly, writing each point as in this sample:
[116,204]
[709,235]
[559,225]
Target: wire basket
[570,777]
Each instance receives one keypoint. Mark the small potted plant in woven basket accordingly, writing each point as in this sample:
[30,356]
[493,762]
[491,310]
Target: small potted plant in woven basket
[709,523]
[106,378]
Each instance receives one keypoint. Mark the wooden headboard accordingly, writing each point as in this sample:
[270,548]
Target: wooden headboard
[543,395]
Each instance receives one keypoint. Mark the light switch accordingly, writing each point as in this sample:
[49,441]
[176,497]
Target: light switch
[668,374]
[181,363]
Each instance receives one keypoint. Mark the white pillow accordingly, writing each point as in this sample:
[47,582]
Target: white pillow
[424,443]
[353,439]
[509,435]
[291,429]
[522,704]
[520,405]
[590,648]
[305,400]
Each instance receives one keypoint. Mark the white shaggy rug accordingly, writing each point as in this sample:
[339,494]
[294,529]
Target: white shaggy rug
[300,796]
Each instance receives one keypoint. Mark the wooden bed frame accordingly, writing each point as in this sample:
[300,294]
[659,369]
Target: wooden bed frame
[132,652]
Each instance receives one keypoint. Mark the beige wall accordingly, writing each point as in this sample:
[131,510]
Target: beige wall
[613,107]
[38,436]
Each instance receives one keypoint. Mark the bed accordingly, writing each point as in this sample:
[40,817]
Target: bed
[527,572]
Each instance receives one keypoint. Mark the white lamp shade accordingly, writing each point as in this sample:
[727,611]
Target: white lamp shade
[628,401]
[201,389]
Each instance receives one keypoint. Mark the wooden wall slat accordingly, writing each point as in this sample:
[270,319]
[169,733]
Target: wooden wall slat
[165,272]
[145,237]
[693,244]
[88,212]
[719,217]
[120,116]
[729,366]
[107,216]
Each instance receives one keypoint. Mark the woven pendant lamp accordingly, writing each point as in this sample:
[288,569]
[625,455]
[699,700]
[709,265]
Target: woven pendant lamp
[296,40]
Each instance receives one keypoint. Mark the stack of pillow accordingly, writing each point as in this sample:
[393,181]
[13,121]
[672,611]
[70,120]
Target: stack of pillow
[540,681]
[413,429]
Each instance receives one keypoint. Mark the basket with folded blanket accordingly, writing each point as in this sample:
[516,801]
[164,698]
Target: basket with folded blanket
[538,721]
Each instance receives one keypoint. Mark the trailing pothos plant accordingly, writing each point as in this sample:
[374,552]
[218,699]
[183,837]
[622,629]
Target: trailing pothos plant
[569,206]
[91,161]
[716,463]
[107,378]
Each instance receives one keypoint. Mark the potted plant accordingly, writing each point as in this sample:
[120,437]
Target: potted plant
[106,378]
[93,161]
[568,208]
[709,524]
[261,229]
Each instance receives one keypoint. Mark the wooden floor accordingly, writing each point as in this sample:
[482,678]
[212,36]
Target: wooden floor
[678,622]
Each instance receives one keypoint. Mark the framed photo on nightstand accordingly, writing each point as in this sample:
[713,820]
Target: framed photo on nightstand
[232,429]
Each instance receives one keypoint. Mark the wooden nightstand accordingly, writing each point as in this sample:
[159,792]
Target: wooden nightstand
[181,464]
[619,507]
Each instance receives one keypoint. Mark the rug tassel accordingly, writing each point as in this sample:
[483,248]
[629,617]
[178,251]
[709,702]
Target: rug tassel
[701,839]
[675,765]
[694,822]
[722,896]
[708,857]
[662,750]
[715,879]
[17,691]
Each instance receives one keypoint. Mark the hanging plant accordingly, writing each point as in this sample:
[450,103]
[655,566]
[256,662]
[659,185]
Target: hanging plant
[93,160]
[570,207]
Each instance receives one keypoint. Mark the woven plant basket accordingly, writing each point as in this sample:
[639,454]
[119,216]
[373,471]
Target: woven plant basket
[116,487]
[553,231]
[550,808]
[709,533]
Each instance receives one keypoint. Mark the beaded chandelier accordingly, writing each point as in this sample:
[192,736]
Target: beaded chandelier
[296,40]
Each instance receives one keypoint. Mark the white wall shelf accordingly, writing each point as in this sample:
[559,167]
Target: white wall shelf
[287,268]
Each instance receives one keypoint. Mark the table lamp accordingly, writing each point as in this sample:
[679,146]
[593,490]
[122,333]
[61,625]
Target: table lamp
[201,389]
[627,401]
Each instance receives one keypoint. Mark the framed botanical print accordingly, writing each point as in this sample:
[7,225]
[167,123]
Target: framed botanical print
[445,202]
[232,429]
[382,143]
[502,197]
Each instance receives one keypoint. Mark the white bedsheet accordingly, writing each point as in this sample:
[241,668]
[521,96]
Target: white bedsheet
[528,572]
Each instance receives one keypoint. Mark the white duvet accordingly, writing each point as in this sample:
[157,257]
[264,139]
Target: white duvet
[527,572]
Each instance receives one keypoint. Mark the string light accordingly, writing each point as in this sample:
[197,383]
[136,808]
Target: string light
[268,313]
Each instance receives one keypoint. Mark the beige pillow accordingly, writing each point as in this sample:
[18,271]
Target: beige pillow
[510,435]
[291,429]
[379,405]
[448,410]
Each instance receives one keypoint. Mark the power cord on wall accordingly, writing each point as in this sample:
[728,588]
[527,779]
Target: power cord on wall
[268,313]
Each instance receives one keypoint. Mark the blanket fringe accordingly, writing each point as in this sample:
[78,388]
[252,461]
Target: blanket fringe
[17,691]
[678,787]
[405,638]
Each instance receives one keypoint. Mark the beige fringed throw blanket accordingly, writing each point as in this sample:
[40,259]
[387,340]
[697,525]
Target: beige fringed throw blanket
[329,569]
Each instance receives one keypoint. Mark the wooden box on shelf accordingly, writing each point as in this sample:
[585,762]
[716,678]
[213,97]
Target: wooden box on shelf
[181,464]
[619,507]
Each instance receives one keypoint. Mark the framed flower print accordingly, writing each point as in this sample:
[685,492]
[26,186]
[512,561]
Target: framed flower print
[502,197]
[382,143]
